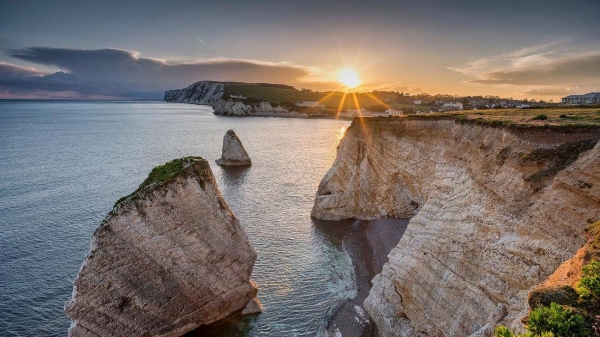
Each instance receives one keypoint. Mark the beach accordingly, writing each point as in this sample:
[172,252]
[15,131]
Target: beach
[367,242]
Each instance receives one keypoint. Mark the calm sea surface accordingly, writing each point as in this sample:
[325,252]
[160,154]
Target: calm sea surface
[64,164]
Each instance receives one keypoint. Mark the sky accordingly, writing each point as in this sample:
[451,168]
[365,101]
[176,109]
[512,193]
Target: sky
[542,49]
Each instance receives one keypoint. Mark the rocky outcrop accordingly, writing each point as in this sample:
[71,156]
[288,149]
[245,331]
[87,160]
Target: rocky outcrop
[168,258]
[233,153]
[213,93]
[494,211]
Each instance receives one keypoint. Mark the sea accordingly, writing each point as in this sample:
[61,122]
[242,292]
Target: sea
[63,164]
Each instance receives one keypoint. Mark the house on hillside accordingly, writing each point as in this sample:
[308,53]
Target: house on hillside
[417,102]
[393,112]
[589,98]
[308,104]
[453,106]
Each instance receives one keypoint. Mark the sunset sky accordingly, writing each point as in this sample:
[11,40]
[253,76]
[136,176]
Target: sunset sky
[542,49]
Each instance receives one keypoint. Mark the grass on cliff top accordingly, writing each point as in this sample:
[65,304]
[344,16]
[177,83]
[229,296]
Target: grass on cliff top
[163,174]
[551,116]
[280,94]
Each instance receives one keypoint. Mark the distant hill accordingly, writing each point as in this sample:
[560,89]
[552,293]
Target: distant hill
[280,94]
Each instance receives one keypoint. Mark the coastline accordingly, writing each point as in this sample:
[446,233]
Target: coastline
[270,114]
[368,243]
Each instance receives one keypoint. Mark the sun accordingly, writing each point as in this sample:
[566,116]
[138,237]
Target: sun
[348,77]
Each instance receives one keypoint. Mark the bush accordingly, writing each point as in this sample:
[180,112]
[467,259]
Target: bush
[589,285]
[558,320]
[503,331]
[563,116]
[552,321]
[540,117]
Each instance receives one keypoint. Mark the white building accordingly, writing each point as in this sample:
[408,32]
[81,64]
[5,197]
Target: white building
[417,102]
[395,113]
[308,104]
[351,113]
[589,98]
[453,106]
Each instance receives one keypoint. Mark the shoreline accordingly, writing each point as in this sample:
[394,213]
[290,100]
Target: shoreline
[368,243]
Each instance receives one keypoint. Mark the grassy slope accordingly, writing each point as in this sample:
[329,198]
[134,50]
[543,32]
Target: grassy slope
[570,115]
[279,95]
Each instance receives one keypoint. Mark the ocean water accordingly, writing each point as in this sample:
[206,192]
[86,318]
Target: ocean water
[64,164]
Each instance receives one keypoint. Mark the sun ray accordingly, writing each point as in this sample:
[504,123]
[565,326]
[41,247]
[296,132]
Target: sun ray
[387,106]
[341,106]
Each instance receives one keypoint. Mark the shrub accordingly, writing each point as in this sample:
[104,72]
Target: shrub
[558,320]
[589,285]
[503,331]
[540,117]
[563,116]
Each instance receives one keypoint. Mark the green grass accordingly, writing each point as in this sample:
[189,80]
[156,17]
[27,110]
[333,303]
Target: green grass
[167,172]
[288,96]
[551,116]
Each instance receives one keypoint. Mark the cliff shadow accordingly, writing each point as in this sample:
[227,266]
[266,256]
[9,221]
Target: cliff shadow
[235,325]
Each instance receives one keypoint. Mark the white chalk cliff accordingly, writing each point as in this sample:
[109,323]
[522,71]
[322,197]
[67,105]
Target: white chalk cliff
[233,152]
[168,258]
[213,93]
[494,211]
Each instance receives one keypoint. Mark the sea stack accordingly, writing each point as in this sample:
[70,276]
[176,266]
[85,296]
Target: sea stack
[168,258]
[233,153]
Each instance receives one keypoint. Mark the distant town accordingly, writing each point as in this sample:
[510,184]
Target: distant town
[425,103]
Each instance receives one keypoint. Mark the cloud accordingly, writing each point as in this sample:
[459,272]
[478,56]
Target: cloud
[556,64]
[8,70]
[550,91]
[115,71]
[200,41]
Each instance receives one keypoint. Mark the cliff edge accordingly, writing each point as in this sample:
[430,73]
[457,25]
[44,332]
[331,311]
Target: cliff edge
[494,211]
[168,258]
[214,94]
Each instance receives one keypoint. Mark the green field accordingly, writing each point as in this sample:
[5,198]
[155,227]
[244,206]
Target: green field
[559,115]
[285,95]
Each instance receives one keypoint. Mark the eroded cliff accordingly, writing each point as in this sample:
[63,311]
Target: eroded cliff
[168,258]
[494,211]
[214,94]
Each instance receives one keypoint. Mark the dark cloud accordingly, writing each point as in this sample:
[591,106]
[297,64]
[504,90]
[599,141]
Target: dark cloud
[8,70]
[571,70]
[114,71]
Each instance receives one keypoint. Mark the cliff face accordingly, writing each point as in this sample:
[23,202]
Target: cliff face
[213,94]
[494,211]
[167,259]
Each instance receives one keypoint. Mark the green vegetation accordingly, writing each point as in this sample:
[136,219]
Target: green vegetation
[589,285]
[167,172]
[288,96]
[561,321]
[566,310]
[551,321]
[552,117]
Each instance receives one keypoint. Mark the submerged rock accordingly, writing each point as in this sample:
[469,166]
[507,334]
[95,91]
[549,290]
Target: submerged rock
[168,258]
[233,153]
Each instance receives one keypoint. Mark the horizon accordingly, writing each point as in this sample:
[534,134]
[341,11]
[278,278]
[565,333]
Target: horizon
[541,50]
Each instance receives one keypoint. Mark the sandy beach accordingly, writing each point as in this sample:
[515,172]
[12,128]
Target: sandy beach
[368,243]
